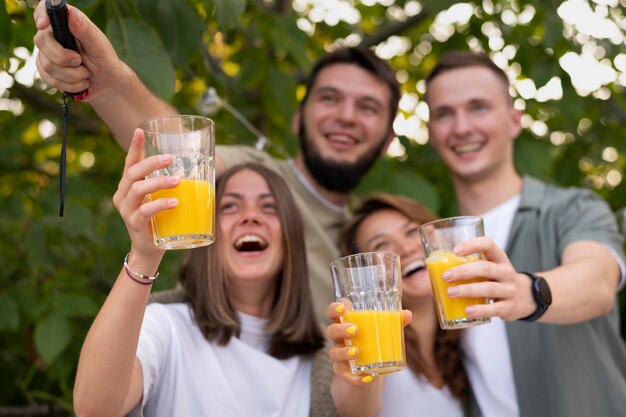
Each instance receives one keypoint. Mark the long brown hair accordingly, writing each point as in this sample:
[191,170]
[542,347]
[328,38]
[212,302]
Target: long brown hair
[292,324]
[447,350]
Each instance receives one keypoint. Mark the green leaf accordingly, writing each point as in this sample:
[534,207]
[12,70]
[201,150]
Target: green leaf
[282,89]
[52,336]
[141,48]
[180,27]
[75,305]
[9,314]
[385,177]
[28,301]
[532,156]
[287,37]
[80,219]
[36,245]
[229,13]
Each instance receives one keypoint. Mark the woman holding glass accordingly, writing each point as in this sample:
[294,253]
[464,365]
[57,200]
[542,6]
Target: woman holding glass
[436,384]
[244,340]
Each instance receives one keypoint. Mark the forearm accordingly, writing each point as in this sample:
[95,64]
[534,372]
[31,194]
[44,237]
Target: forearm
[108,380]
[584,286]
[124,106]
[357,400]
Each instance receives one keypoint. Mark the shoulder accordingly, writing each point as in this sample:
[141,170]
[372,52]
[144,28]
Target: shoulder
[544,196]
[232,155]
[168,315]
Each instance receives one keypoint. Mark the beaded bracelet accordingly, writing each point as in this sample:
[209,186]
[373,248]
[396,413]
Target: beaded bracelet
[137,277]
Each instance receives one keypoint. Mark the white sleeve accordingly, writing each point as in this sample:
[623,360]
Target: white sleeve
[153,346]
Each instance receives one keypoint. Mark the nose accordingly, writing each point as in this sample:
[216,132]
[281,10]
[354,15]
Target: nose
[409,246]
[461,124]
[249,214]
[346,111]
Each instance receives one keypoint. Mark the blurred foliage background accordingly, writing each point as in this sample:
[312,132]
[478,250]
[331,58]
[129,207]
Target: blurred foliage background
[566,60]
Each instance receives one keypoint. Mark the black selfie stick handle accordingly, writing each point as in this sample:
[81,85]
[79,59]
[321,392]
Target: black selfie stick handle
[57,12]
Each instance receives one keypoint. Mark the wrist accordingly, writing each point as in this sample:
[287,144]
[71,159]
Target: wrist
[120,80]
[541,295]
[141,269]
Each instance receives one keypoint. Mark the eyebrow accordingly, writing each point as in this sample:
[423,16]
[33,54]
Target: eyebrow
[239,196]
[379,235]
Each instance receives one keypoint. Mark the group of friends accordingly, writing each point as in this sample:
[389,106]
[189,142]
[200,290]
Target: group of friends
[244,333]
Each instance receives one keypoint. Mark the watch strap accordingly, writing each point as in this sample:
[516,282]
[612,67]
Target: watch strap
[541,294]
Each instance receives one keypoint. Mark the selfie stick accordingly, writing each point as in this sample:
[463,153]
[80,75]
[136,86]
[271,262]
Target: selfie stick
[57,12]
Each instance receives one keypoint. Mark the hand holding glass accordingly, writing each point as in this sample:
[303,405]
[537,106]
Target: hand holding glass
[191,142]
[439,239]
[369,287]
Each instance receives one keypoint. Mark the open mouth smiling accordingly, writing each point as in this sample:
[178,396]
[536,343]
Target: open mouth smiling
[341,139]
[413,268]
[467,148]
[250,243]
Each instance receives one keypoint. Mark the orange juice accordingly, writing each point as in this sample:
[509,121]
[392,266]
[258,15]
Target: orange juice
[379,337]
[449,308]
[194,213]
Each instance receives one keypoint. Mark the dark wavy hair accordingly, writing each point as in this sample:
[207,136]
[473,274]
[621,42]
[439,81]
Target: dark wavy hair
[292,325]
[447,349]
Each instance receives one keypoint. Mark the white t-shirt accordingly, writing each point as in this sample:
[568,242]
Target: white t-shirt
[487,357]
[184,375]
[407,395]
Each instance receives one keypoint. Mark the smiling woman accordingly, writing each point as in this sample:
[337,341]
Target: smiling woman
[245,316]
[437,384]
[257,265]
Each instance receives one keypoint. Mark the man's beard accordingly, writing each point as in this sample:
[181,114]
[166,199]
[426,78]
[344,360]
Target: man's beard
[335,176]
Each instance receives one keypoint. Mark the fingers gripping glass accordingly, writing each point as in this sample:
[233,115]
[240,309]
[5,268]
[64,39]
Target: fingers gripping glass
[369,287]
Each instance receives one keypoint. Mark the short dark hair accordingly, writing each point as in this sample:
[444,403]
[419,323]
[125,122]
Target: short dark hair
[365,59]
[292,325]
[464,59]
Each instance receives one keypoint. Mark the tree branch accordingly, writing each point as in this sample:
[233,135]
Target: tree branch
[81,121]
[386,32]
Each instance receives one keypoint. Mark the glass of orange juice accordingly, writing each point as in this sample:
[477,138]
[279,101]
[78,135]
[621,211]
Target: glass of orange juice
[191,142]
[369,286]
[439,238]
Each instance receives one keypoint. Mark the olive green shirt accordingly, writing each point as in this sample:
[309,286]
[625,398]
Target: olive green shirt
[574,370]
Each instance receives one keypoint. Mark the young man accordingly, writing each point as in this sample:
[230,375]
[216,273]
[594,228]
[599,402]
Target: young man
[572,362]
[344,124]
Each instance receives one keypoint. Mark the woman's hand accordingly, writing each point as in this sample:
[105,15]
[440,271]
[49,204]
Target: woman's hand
[131,198]
[340,353]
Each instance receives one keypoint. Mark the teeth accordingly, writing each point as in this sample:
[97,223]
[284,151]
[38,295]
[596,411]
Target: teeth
[467,148]
[413,267]
[340,138]
[250,239]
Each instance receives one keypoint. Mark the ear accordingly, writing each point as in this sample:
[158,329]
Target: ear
[516,122]
[295,121]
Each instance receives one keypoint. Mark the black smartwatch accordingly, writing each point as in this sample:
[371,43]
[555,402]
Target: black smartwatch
[541,294]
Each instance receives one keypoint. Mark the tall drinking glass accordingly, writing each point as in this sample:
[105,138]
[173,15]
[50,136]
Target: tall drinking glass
[369,287]
[191,142]
[439,238]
